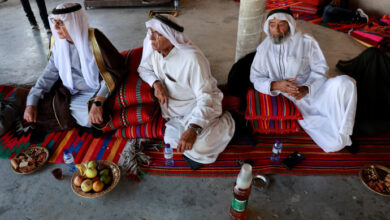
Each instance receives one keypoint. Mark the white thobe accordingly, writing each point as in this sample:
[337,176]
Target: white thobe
[193,98]
[329,108]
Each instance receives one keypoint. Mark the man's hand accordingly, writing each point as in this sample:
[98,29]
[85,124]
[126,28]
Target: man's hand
[96,112]
[161,93]
[187,140]
[30,114]
[302,92]
[286,86]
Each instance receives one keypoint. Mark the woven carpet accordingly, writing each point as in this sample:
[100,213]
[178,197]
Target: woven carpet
[317,163]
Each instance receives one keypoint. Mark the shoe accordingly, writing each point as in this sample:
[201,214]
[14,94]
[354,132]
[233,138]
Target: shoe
[35,27]
[193,164]
[48,31]
[354,147]
[363,16]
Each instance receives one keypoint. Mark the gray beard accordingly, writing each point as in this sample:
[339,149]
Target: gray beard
[280,40]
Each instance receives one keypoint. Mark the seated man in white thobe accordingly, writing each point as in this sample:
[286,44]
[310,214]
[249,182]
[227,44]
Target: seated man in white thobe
[187,92]
[290,63]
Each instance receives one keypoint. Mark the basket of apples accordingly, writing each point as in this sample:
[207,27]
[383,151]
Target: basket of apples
[95,178]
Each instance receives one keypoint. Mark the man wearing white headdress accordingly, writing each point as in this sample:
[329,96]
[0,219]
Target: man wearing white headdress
[290,63]
[83,66]
[188,94]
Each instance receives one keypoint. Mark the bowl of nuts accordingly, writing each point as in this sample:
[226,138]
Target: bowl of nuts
[30,160]
[376,178]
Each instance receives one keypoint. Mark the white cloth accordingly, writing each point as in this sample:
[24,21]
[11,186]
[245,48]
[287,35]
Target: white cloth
[329,108]
[76,24]
[193,98]
[79,108]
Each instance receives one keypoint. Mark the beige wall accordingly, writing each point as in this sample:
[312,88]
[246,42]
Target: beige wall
[372,7]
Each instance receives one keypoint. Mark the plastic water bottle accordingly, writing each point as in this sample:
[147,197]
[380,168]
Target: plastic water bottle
[276,150]
[69,160]
[176,4]
[241,192]
[168,155]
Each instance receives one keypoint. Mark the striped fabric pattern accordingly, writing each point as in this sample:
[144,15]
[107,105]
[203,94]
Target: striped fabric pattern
[317,163]
[133,91]
[265,107]
[133,115]
[304,8]
[152,129]
[276,4]
[279,126]
[271,114]
[84,148]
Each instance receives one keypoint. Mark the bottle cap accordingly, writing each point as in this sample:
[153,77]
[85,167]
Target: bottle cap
[278,141]
[168,145]
[244,179]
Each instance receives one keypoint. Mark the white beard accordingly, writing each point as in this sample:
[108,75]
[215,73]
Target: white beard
[280,40]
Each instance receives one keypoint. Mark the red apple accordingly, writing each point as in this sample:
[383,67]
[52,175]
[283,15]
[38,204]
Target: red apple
[78,180]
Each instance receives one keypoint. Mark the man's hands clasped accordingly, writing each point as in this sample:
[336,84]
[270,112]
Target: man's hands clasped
[292,89]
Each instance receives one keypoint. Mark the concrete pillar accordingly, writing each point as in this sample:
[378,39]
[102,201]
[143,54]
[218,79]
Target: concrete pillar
[250,22]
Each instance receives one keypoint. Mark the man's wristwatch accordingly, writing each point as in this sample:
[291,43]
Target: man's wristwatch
[198,130]
[97,103]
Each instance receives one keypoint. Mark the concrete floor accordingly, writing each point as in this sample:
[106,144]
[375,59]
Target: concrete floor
[212,25]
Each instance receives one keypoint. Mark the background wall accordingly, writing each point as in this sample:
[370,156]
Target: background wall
[372,7]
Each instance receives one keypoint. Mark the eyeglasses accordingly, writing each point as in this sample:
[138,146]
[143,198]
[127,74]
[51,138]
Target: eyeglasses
[57,22]
[155,34]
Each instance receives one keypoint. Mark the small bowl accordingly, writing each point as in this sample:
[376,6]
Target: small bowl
[260,181]
[26,151]
[383,171]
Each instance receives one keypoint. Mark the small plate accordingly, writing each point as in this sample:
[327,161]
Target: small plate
[116,175]
[382,171]
[27,151]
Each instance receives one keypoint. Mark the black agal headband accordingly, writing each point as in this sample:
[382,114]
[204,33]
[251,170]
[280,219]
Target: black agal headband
[280,10]
[66,10]
[169,23]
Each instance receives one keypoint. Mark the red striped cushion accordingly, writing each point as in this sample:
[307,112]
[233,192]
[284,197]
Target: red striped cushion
[134,90]
[275,126]
[369,38]
[311,2]
[304,8]
[153,129]
[271,114]
[133,115]
[262,106]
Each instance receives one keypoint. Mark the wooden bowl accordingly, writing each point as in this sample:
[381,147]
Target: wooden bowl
[382,172]
[26,151]
[116,176]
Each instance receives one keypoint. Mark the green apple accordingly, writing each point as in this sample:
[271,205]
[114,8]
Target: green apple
[86,185]
[92,164]
[104,172]
[105,179]
[91,172]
